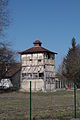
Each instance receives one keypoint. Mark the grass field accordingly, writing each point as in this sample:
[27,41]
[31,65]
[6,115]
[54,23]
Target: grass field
[45,106]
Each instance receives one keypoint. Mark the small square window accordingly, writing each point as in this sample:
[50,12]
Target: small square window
[39,60]
[30,59]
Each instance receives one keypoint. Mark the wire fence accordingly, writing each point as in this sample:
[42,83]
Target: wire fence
[58,105]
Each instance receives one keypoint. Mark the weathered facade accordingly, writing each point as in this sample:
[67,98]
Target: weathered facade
[38,66]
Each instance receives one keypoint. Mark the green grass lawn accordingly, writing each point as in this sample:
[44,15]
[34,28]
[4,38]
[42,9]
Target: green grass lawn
[45,106]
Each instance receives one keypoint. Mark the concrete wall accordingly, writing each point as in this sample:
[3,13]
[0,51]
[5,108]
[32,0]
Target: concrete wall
[36,85]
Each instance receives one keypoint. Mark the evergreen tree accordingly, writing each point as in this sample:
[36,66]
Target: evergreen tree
[70,67]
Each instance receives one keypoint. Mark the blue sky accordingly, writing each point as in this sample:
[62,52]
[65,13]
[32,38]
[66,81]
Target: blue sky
[54,22]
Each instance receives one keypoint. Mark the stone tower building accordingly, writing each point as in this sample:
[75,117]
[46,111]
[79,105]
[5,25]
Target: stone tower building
[37,66]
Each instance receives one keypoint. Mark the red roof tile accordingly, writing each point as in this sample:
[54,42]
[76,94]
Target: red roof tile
[14,68]
[36,49]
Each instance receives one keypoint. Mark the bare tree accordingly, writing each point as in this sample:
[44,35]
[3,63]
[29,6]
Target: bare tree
[4,15]
[7,59]
[59,72]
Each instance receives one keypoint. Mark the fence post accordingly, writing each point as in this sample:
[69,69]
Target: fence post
[30,100]
[74,99]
